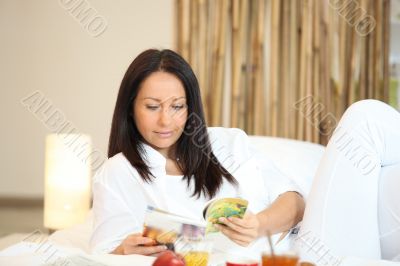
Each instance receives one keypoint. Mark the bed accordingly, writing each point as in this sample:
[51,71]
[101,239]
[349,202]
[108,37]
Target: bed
[297,159]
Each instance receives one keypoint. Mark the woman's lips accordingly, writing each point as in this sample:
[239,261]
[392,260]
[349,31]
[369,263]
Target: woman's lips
[164,134]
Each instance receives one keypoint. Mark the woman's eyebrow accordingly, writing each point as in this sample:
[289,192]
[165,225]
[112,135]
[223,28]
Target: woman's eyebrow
[159,100]
[151,98]
[183,97]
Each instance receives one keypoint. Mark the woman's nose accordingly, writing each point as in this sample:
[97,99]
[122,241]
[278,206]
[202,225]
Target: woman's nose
[165,117]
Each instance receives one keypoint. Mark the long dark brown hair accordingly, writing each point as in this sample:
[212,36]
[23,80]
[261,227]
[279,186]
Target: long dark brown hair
[196,158]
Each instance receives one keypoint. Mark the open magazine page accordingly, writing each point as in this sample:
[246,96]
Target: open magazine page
[165,228]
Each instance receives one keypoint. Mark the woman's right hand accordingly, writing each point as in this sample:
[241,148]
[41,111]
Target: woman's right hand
[138,244]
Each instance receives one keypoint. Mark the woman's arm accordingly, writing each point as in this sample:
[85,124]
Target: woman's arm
[284,213]
[119,206]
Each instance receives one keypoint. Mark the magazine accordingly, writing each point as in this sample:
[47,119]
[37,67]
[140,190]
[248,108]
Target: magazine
[225,207]
[166,228]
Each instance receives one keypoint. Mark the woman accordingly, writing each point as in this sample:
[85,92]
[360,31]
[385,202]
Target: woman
[162,154]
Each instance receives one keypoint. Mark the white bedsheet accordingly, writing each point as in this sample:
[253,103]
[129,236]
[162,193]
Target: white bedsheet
[51,254]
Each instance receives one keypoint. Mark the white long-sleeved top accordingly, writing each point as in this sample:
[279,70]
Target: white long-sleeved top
[120,196]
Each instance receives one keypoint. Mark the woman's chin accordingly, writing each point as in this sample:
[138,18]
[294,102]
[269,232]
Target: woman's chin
[162,145]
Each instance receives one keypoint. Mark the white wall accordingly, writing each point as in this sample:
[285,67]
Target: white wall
[43,47]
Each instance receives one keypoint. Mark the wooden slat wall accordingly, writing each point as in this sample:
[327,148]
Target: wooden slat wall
[320,58]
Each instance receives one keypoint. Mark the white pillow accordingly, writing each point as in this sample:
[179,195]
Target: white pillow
[77,236]
[296,159]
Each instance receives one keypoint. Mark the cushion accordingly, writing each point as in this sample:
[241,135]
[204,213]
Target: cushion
[296,159]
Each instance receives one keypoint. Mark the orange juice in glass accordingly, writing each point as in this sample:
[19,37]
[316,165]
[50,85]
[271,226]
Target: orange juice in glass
[280,260]
[196,258]
[195,252]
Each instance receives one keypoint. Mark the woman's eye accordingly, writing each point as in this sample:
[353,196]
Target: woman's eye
[177,107]
[152,107]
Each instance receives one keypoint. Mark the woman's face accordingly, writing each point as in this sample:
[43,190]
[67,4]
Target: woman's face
[160,110]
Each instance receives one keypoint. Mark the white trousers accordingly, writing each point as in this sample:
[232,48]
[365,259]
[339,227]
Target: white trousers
[353,208]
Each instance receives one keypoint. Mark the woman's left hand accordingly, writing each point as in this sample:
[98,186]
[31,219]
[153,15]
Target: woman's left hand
[241,231]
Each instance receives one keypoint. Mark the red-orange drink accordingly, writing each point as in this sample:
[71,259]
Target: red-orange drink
[279,260]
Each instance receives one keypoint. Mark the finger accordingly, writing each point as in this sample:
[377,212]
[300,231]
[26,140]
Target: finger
[248,232]
[234,235]
[231,224]
[153,249]
[241,243]
[135,240]
[248,220]
[145,250]
[238,224]
[135,235]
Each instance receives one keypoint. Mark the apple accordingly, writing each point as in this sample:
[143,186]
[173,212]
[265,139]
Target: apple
[169,258]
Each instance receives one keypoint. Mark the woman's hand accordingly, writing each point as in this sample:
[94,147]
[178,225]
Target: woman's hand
[134,244]
[241,231]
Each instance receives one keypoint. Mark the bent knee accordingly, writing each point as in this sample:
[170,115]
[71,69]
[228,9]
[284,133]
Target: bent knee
[368,108]
[368,105]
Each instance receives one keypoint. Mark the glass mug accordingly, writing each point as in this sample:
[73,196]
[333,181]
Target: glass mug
[194,252]
[289,259]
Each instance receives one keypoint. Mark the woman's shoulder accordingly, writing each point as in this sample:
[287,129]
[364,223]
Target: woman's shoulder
[229,142]
[116,161]
[114,167]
